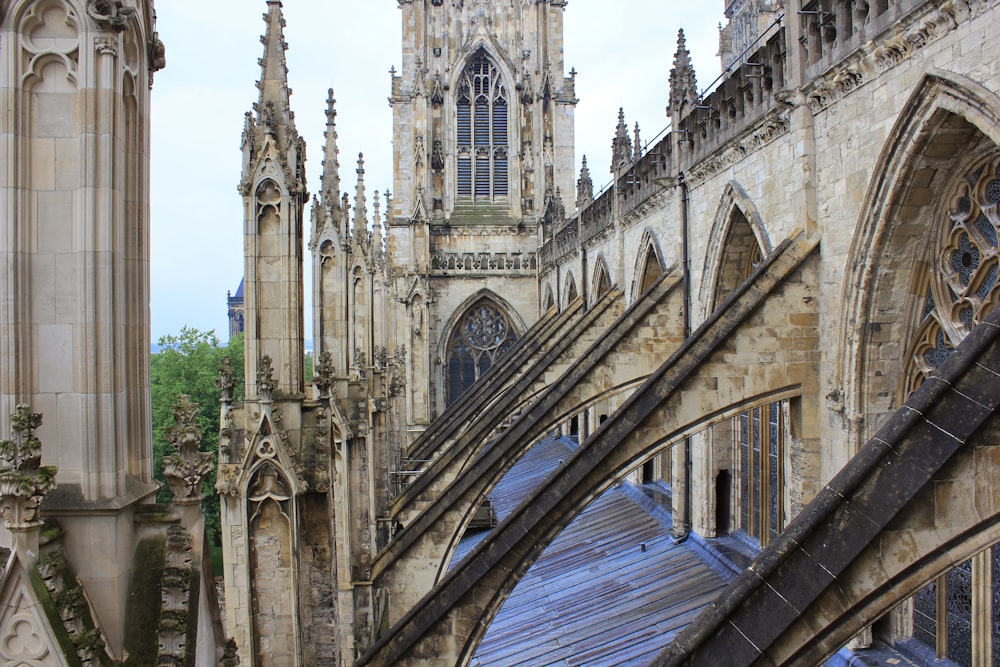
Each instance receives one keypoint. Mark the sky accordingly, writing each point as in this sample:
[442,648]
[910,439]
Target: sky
[622,52]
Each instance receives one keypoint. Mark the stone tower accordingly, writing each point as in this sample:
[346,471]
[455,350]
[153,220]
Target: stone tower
[748,20]
[75,81]
[483,146]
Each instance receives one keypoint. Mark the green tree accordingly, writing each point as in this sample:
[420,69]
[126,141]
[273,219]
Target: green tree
[188,363]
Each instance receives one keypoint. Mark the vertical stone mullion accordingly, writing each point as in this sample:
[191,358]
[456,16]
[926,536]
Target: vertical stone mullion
[982,609]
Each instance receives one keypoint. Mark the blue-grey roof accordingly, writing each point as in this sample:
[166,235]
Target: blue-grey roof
[612,589]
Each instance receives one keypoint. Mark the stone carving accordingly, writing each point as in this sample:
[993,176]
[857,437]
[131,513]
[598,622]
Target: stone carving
[482,262]
[71,606]
[437,92]
[877,59]
[174,598]
[265,378]
[775,124]
[418,153]
[113,14]
[106,46]
[437,156]
[157,54]
[226,381]
[323,374]
[380,357]
[360,362]
[24,481]
[227,480]
[397,368]
[187,467]
[230,656]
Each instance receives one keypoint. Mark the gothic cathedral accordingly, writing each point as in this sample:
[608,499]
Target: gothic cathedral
[416,295]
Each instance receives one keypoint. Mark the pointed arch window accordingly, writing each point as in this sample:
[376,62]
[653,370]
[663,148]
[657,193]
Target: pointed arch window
[602,282]
[651,270]
[958,288]
[961,286]
[482,119]
[484,335]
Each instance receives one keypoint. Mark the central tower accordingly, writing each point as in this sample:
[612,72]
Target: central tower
[483,148]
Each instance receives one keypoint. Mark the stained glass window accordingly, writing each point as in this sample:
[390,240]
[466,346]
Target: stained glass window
[482,337]
[760,444]
[962,287]
[962,282]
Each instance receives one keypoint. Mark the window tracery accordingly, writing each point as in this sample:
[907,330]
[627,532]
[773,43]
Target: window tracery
[961,282]
[959,288]
[482,132]
[484,335]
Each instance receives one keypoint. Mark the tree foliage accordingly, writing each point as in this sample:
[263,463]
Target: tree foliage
[188,363]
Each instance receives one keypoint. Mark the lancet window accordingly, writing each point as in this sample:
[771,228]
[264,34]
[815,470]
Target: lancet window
[484,335]
[482,132]
[760,445]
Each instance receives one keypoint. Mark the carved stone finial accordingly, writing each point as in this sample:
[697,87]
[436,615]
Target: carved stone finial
[186,468]
[24,481]
[323,374]
[226,381]
[265,378]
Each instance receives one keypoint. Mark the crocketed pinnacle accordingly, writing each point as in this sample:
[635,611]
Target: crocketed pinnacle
[683,83]
[330,181]
[621,146]
[274,105]
[584,186]
[360,203]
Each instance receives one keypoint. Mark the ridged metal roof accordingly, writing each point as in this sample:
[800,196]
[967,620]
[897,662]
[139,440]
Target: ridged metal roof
[612,589]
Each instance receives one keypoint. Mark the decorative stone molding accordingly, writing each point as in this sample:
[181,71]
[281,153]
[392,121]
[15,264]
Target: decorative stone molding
[186,469]
[24,481]
[873,59]
[447,263]
[72,608]
[774,124]
[175,597]
[106,46]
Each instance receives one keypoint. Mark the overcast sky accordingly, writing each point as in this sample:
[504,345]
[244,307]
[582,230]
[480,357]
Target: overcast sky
[622,50]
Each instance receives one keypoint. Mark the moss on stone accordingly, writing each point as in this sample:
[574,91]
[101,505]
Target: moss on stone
[144,601]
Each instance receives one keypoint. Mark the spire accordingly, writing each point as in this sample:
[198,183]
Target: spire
[270,128]
[683,84]
[274,92]
[360,204]
[638,142]
[621,147]
[584,187]
[330,181]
